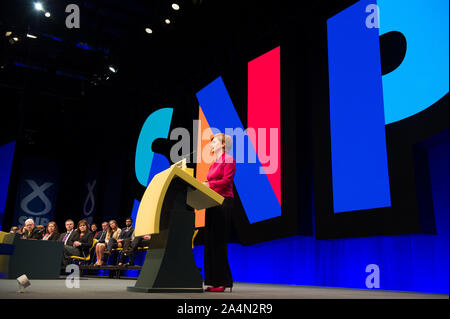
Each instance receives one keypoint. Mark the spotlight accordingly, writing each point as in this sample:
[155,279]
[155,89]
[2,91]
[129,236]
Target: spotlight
[148,30]
[31,36]
[16,39]
[112,69]
[38,6]
[23,283]
[175,6]
[47,14]
[167,21]
[8,33]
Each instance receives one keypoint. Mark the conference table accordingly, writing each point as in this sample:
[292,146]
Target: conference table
[37,259]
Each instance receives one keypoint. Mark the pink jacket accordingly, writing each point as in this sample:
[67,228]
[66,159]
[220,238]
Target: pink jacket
[221,174]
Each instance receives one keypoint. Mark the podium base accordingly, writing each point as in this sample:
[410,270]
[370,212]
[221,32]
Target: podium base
[169,290]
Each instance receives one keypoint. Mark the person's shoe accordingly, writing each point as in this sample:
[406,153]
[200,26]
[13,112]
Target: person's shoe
[130,263]
[220,289]
[120,264]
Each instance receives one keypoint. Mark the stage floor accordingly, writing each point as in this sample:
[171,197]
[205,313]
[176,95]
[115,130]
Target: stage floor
[101,288]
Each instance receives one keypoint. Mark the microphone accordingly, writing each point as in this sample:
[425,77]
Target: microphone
[189,154]
[182,163]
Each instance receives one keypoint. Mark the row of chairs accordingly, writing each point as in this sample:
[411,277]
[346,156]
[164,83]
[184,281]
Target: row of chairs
[85,259]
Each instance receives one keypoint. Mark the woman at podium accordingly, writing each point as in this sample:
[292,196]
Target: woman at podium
[217,219]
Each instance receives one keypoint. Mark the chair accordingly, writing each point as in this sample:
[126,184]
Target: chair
[85,259]
[114,251]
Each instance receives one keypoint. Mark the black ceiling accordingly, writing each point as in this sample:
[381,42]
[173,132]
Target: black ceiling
[107,29]
[113,32]
[46,83]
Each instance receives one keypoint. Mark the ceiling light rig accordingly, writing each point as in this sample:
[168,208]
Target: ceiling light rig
[175,6]
[12,39]
[38,6]
[112,68]
[106,74]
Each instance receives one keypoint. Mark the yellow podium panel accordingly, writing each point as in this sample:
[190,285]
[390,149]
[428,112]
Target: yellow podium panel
[199,196]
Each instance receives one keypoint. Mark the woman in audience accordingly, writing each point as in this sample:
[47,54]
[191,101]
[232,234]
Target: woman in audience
[114,232]
[52,232]
[81,246]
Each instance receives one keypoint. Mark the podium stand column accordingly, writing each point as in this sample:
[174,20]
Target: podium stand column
[169,265]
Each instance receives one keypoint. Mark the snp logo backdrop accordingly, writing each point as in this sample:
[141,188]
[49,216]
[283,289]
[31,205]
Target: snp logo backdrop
[37,191]
[256,131]
[217,112]
[363,101]
[377,115]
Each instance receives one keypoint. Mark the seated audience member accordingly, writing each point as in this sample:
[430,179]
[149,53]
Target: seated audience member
[125,235]
[70,236]
[52,232]
[131,251]
[101,247]
[30,231]
[101,235]
[14,230]
[94,229]
[80,246]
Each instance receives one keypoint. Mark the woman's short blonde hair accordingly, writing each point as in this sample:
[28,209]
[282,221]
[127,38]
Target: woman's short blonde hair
[223,137]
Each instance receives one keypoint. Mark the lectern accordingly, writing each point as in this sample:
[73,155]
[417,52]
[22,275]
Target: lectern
[166,213]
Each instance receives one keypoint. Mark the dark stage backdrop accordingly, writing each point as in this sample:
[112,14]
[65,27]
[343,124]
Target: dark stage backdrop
[166,76]
[280,207]
[364,173]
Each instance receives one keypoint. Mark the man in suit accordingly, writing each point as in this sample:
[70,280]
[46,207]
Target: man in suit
[101,235]
[126,233]
[70,236]
[30,231]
